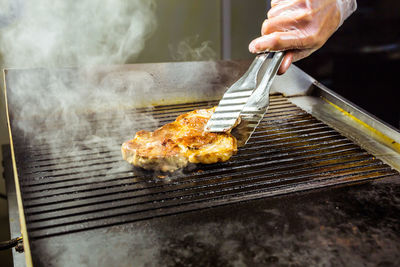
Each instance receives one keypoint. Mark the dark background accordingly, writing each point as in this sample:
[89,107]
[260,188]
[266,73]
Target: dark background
[361,61]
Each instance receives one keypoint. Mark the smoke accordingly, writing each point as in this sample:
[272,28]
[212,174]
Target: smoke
[88,108]
[191,49]
[68,111]
[45,33]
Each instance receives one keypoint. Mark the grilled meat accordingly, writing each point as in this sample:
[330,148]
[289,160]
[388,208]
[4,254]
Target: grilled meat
[176,144]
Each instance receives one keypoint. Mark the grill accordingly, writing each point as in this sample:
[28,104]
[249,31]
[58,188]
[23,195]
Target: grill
[92,188]
[290,151]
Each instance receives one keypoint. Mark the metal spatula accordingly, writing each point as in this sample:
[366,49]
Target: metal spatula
[246,99]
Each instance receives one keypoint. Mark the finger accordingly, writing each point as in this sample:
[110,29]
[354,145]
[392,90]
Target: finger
[300,54]
[279,24]
[284,7]
[279,2]
[279,41]
[286,62]
[274,3]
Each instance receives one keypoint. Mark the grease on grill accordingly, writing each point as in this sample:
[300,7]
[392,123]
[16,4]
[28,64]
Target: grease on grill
[289,152]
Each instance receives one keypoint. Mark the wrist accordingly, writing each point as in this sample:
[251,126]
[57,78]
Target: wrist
[346,8]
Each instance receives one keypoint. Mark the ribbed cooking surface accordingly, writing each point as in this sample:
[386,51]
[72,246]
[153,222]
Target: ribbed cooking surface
[290,151]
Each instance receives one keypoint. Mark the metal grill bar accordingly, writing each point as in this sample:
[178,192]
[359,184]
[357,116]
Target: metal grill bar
[158,192]
[310,147]
[283,110]
[66,175]
[30,194]
[59,156]
[115,155]
[82,214]
[92,187]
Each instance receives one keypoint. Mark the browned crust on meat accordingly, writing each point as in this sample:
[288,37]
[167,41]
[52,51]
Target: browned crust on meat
[173,145]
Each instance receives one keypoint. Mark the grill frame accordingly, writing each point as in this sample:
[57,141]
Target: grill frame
[224,201]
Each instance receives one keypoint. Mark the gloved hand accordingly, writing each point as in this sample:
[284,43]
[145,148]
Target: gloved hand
[300,26]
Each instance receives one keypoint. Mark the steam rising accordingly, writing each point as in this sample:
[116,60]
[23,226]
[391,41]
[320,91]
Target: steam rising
[190,49]
[72,112]
[45,33]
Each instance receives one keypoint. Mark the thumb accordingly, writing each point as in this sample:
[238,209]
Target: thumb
[286,62]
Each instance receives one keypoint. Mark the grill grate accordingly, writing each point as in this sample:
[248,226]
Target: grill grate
[290,151]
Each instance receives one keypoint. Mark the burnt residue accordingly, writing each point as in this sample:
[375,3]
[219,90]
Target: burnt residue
[356,226]
[348,226]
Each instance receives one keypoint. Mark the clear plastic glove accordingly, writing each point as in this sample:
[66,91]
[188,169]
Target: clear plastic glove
[300,26]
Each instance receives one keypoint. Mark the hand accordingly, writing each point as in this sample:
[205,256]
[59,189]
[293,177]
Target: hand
[300,26]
